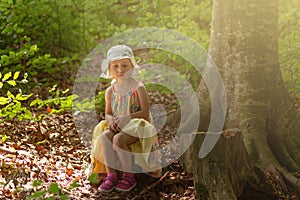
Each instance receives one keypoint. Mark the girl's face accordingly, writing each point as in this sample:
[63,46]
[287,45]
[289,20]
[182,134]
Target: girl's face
[119,68]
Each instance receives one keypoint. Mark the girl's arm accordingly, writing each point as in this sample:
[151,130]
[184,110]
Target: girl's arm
[108,110]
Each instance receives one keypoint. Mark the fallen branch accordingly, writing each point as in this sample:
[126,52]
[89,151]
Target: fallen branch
[231,132]
[153,185]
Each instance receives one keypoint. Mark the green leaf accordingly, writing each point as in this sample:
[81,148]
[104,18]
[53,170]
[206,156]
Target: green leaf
[41,142]
[37,183]
[63,197]
[37,194]
[52,89]
[54,188]
[22,97]
[33,48]
[65,91]
[4,57]
[10,95]
[12,83]
[11,115]
[4,138]
[0,75]
[94,178]
[123,27]
[12,54]
[4,100]
[16,75]
[74,185]
[36,101]
[40,117]
[149,14]
[7,76]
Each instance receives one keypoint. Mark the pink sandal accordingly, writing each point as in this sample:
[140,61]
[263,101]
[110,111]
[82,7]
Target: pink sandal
[108,184]
[126,184]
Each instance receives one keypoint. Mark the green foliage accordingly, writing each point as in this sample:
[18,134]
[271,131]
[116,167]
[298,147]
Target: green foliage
[11,104]
[51,24]
[15,104]
[289,44]
[53,192]
[64,27]
[86,105]
[188,17]
[17,50]
[61,27]
[93,178]
[35,35]
[57,102]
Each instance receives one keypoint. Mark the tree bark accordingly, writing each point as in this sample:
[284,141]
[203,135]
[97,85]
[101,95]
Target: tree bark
[244,47]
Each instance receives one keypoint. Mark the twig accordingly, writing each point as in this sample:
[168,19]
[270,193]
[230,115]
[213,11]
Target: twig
[153,185]
[7,151]
[227,132]
[13,152]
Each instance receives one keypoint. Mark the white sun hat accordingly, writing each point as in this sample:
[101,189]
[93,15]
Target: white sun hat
[117,52]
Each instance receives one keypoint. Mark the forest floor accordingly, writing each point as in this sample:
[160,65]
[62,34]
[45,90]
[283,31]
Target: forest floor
[48,159]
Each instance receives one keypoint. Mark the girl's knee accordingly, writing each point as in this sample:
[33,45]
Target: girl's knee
[117,140]
[107,135]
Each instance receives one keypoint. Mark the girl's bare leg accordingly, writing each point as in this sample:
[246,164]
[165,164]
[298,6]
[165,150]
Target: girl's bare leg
[109,155]
[121,142]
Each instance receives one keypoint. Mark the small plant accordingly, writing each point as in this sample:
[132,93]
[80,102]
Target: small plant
[14,104]
[57,102]
[53,192]
[11,104]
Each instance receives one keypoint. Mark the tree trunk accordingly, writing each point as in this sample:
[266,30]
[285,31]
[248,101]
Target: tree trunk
[244,47]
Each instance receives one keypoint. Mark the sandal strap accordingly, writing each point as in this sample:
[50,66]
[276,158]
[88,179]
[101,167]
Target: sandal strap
[111,179]
[129,180]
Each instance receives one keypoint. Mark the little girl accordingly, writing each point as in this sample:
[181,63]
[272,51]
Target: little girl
[126,134]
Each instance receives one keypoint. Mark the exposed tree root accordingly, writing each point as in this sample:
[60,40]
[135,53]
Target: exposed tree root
[284,156]
[277,183]
[290,179]
[258,149]
[293,148]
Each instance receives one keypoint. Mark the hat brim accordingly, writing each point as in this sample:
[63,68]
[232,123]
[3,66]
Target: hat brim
[106,62]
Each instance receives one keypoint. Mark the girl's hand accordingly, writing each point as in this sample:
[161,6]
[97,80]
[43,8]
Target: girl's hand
[113,126]
[122,121]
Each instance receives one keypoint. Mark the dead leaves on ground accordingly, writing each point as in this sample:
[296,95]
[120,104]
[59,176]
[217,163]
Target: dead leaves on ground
[50,160]
[49,150]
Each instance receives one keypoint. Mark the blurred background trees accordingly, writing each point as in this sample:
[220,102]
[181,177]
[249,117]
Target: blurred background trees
[56,31]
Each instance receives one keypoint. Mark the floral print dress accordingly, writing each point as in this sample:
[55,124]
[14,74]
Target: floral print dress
[146,151]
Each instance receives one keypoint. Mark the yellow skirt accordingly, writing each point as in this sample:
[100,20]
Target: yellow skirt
[146,151]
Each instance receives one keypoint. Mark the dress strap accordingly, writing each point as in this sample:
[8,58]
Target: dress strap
[137,85]
[134,90]
[113,88]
